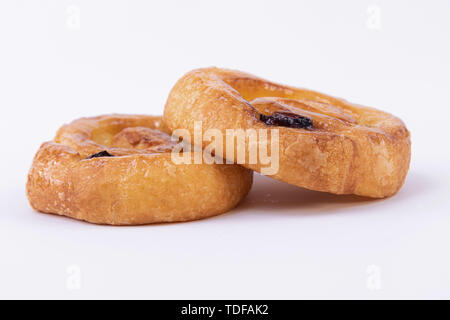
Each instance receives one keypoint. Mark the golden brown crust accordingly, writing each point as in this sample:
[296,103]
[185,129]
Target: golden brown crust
[351,150]
[139,185]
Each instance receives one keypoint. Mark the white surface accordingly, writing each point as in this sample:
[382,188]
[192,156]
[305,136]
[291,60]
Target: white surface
[282,242]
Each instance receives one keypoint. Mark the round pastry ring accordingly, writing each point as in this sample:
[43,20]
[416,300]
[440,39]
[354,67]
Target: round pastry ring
[344,148]
[83,174]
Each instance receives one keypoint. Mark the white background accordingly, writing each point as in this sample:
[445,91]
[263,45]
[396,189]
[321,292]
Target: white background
[282,242]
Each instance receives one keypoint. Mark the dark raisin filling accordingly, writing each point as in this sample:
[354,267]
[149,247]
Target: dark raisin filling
[287,119]
[100,154]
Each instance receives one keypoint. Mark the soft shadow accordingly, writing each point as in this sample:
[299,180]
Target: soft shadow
[269,196]
[272,196]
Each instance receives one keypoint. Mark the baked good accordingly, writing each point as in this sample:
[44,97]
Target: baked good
[117,169]
[325,143]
